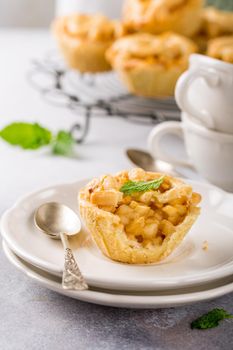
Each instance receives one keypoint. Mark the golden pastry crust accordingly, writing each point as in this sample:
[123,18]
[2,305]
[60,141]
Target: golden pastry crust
[143,227]
[158,16]
[221,48]
[84,39]
[215,23]
[150,65]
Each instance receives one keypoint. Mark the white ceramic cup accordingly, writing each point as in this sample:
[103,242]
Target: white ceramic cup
[205,91]
[110,8]
[210,152]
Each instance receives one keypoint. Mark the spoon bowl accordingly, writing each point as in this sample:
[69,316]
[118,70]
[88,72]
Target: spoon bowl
[141,158]
[56,218]
[144,160]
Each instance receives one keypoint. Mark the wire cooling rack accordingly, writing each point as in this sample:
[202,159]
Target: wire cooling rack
[89,95]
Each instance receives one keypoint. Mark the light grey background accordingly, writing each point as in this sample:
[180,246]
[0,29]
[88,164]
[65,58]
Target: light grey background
[39,13]
[26,13]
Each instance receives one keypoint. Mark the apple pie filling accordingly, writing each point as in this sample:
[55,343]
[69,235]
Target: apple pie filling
[148,214]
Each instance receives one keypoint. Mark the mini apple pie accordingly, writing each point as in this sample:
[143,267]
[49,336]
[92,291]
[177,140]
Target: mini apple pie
[83,40]
[150,65]
[138,217]
[158,16]
[215,23]
[221,48]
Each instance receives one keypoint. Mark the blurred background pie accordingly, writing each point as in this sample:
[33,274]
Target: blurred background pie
[150,64]
[221,48]
[180,16]
[83,40]
[214,23]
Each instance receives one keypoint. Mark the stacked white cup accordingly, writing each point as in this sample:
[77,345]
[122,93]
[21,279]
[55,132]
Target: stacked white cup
[205,95]
[110,9]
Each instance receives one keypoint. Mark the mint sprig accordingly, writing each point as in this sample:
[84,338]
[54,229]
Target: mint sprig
[34,136]
[210,319]
[141,186]
[26,135]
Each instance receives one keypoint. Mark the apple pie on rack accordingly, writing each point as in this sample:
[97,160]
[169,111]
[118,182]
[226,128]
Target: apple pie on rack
[215,23]
[158,16]
[83,40]
[221,48]
[150,64]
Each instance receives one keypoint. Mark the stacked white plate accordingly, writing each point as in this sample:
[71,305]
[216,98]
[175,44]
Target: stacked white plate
[191,274]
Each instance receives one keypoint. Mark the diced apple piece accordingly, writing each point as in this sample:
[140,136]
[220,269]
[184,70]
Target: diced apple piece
[124,210]
[136,226]
[133,205]
[158,214]
[126,200]
[180,200]
[182,209]
[109,183]
[150,230]
[142,210]
[169,210]
[106,198]
[175,220]
[125,213]
[166,227]
[146,197]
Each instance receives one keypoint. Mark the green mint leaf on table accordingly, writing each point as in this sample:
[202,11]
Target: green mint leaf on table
[26,135]
[63,143]
[34,136]
[141,186]
[211,319]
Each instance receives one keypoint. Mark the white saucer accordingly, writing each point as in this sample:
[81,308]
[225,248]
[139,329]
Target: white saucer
[189,265]
[145,300]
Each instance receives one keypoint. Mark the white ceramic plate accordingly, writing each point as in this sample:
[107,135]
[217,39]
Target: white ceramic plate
[144,300]
[189,265]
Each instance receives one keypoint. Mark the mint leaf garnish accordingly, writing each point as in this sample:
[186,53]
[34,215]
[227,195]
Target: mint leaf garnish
[26,135]
[210,319]
[141,186]
[63,143]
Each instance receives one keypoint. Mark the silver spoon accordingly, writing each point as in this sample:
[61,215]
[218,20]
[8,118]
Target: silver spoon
[145,161]
[59,221]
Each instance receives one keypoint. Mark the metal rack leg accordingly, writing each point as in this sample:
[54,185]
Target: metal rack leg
[82,128]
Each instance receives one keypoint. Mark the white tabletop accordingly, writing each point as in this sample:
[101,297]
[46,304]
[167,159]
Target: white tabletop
[31,316]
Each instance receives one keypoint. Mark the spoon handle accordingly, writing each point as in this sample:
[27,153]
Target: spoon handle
[72,277]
